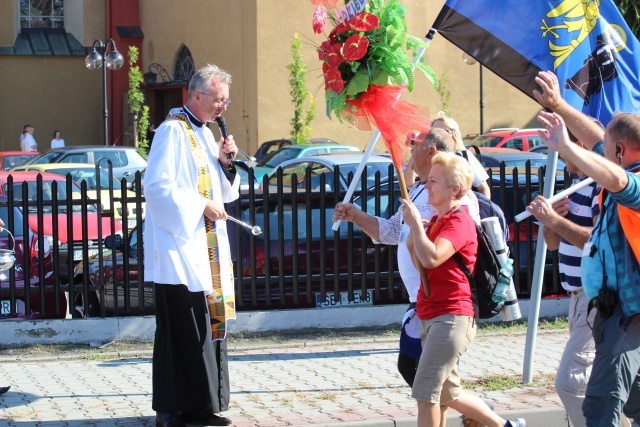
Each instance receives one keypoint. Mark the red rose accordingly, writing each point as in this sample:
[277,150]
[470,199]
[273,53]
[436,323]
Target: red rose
[334,55]
[319,21]
[364,21]
[333,80]
[355,47]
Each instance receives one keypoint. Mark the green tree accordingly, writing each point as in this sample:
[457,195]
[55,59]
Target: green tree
[442,87]
[630,9]
[136,104]
[302,119]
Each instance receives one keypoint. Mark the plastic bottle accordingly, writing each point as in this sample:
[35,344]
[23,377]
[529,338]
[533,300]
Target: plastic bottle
[504,281]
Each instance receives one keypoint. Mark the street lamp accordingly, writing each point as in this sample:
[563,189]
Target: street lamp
[470,61]
[96,59]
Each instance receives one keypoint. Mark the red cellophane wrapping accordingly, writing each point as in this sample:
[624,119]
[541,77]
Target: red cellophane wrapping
[382,108]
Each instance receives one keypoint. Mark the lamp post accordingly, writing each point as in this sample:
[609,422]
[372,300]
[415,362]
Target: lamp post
[114,61]
[470,61]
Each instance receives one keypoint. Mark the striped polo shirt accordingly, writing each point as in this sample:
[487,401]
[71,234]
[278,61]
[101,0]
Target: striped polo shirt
[583,207]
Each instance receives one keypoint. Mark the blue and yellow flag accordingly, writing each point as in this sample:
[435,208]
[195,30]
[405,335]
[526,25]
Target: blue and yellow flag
[586,43]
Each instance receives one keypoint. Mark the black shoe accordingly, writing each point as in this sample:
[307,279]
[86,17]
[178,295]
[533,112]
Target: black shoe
[3,390]
[169,419]
[205,419]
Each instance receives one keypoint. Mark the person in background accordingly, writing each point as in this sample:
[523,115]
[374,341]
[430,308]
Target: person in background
[57,141]
[188,179]
[445,304]
[480,176]
[28,142]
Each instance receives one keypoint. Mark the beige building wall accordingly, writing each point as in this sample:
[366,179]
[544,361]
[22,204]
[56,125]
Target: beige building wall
[252,40]
[66,97]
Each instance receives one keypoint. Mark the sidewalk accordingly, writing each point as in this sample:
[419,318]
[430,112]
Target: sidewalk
[321,384]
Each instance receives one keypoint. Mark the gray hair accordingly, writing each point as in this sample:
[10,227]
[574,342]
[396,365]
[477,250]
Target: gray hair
[201,80]
[440,139]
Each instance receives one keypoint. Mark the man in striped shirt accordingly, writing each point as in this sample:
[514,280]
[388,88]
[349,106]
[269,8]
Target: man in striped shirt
[567,227]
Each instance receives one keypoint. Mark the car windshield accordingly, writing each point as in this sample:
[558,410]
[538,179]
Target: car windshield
[486,141]
[14,160]
[47,193]
[88,175]
[283,154]
[44,158]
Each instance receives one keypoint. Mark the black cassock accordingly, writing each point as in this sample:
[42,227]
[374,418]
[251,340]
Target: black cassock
[189,370]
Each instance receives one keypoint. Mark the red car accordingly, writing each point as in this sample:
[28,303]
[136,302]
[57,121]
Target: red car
[61,247]
[12,159]
[44,300]
[520,139]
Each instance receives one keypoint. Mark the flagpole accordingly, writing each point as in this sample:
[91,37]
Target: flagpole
[538,271]
[374,138]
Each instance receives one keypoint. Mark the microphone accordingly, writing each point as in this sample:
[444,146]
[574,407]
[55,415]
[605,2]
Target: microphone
[222,124]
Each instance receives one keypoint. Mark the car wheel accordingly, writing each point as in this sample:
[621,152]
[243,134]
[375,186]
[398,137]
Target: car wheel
[90,309]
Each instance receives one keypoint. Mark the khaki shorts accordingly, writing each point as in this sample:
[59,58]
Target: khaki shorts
[444,339]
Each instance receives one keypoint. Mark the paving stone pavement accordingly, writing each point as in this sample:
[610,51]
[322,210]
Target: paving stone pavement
[354,382]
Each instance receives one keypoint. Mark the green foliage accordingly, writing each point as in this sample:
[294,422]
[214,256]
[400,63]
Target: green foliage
[302,119]
[630,9]
[443,90]
[136,103]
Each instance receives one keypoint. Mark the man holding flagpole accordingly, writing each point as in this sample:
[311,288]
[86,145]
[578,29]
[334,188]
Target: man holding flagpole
[610,273]
[189,178]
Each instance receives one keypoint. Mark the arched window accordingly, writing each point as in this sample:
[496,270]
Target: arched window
[184,67]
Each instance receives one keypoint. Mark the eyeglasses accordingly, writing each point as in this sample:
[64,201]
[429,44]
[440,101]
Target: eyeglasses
[220,102]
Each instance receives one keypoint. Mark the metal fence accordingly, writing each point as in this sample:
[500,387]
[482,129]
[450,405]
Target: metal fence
[76,259]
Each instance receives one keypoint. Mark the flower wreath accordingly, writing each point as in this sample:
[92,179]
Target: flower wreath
[366,67]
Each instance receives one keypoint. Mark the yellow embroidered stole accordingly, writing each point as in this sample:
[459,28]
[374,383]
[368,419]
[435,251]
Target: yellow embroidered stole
[221,302]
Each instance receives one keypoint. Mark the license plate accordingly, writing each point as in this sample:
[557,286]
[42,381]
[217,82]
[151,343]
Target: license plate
[77,255]
[342,299]
[131,223]
[5,307]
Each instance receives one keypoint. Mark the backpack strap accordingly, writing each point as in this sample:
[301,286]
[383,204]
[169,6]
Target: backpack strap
[472,283]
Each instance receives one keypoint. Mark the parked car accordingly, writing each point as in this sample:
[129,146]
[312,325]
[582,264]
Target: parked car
[42,182]
[520,139]
[348,163]
[28,258]
[274,145]
[282,245]
[11,159]
[516,159]
[125,161]
[243,157]
[84,172]
[275,159]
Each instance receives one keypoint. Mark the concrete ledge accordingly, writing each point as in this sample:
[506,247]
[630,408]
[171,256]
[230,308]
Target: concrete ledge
[85,331]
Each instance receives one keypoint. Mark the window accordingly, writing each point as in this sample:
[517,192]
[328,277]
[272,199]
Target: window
[514,143]
[41,13]
[185,67]
[534,141]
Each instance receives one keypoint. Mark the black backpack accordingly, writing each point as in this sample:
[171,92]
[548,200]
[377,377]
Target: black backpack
[485,279]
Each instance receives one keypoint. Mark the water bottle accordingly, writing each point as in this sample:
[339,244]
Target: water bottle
[504,280]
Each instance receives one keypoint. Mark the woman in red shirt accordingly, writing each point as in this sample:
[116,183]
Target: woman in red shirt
[445,305]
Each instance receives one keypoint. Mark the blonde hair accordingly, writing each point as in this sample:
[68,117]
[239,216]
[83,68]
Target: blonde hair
[456,171]
[458,143]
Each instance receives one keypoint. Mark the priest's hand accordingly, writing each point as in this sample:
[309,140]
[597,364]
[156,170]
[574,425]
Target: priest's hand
[227,147]
[215,211]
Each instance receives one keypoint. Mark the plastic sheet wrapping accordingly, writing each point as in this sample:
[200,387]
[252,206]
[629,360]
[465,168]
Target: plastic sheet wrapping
[491,225]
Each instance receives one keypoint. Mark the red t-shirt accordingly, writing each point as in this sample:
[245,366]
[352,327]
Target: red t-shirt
[449,287]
